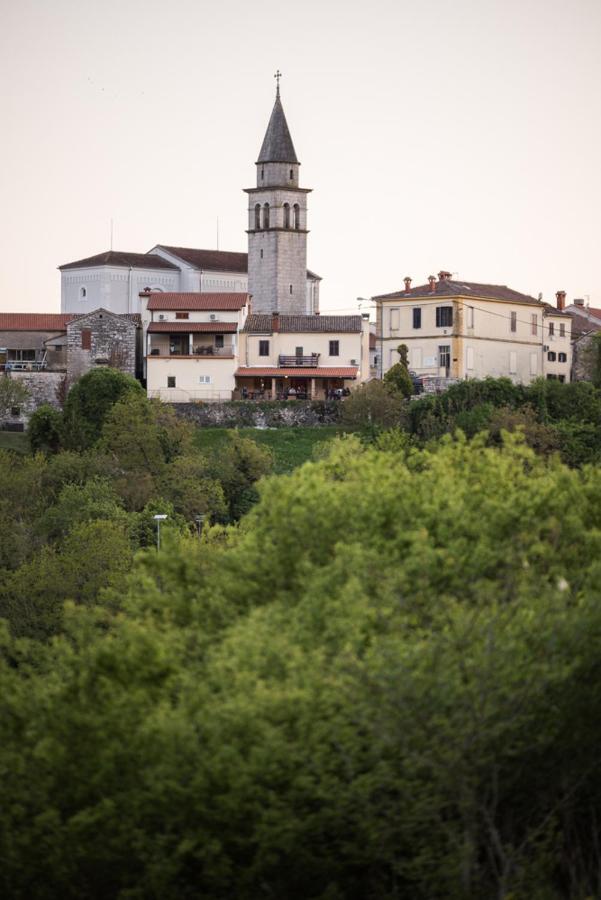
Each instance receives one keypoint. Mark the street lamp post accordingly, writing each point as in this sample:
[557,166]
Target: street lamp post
[199,523]
[158,519]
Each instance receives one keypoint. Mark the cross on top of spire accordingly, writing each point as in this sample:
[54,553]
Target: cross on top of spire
[277,77]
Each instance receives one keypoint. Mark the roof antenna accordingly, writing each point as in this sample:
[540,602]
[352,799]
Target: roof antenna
[111,234]
[218,232]
[277,77]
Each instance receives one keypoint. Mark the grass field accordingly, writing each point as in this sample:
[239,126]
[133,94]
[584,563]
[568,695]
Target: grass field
[14,440]
[290,446]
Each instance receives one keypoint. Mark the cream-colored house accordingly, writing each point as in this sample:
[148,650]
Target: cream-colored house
[283,356]
[457,329]
[191,344]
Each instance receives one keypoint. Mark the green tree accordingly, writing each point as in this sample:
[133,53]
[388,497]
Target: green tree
[89,402]
[397,377]
[373,406]
[45,429]
[12,393]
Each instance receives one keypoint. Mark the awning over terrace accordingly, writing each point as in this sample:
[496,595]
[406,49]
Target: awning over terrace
[304,372]
[193,327]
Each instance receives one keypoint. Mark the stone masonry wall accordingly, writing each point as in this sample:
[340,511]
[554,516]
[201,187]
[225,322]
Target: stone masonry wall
[113,342]
[269,414]
[43,387]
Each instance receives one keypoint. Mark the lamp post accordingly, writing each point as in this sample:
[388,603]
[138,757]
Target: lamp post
[158,519]
[199,523]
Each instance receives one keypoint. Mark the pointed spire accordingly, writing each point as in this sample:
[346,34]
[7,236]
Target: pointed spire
[277,144]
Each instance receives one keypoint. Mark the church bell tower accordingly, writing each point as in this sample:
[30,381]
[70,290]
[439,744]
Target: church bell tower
[277,224]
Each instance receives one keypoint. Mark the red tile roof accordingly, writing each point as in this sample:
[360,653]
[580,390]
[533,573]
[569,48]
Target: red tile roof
[317,372]
[450,288]
[215,260]
[196,301]
[119,258]
[192,327]
[35,321]
[261,323]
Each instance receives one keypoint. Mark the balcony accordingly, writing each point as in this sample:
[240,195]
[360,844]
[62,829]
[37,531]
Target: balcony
[299,362]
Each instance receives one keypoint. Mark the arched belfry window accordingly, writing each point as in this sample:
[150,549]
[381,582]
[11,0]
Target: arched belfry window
[266,215]
[286,215]
[296,215]
[257,217]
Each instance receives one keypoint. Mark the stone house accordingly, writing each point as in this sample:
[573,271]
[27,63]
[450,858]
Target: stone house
[102,338]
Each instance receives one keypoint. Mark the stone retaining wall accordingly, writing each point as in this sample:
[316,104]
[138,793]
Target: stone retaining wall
[43,387]
[262,414]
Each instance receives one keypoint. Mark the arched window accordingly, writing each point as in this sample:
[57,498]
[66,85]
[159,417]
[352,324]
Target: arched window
[258,217]
[82,293]
[286,215]
[291,174]
[266,215]
[296,215]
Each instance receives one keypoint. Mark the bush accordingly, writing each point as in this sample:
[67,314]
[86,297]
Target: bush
[45,430]
[89,402]
[373,405]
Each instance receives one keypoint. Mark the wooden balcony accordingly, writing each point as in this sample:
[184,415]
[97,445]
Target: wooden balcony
[299,362]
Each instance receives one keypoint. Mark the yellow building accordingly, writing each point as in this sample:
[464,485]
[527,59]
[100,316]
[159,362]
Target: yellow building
[459,329]
[301,356]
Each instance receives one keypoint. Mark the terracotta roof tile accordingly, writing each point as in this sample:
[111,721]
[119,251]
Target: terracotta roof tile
[317,372]
[193,327]
[196,301]
[35,321]
[216,260]
[262,324]
[450,288]
[119,258]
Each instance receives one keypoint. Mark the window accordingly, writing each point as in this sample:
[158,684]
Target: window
[551,356]
[83,293]
[182,315]
[296,216]
[551,329]
[334,348]
[219,340]
[469,358]
[395,319]
[562,330]
[551,377]
[58,347]
[444,316]
[170,381]
[290,286]
[534,363]
[204,379]
[417,317]
[262,173]
[257,216]
[470,317]
[266,215]
[563,357]
[15,410]
[86,339]
[514,321]
[299,351]
[562,378]
[261,254]
[263,348]
[513,362]
[534,324]
[444,354]
[286,215]
[291,174]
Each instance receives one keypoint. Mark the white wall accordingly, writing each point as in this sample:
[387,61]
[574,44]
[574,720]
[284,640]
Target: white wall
[187,373]
[114,288]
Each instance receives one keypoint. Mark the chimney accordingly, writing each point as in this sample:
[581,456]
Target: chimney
[407,281]
[579,302]
[432,281]
[561,300]
[444,276]
[275,321]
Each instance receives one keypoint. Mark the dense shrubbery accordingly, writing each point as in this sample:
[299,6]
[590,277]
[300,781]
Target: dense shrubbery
[383,684]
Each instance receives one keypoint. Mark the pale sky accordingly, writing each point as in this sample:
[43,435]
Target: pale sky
[436,134]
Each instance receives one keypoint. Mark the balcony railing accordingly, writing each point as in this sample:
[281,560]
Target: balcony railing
[196,351]
[299,362]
